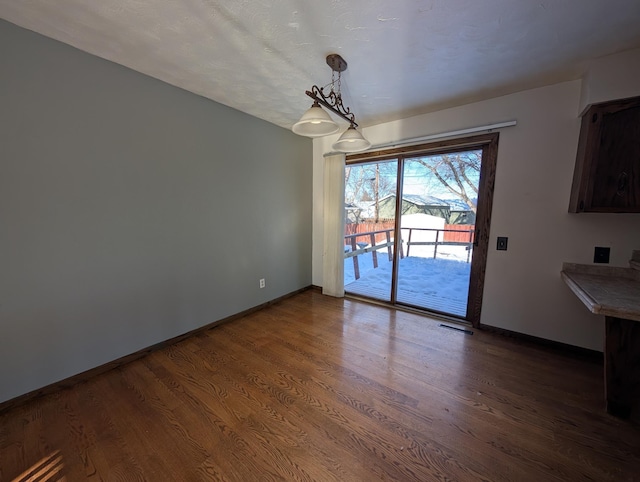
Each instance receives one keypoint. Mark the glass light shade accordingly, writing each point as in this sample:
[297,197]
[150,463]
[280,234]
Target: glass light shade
[351,141]
[315,123]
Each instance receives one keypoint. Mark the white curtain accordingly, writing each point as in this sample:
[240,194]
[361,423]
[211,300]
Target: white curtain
[333,246]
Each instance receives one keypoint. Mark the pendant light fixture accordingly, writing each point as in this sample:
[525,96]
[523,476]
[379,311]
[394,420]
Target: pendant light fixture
[315,122]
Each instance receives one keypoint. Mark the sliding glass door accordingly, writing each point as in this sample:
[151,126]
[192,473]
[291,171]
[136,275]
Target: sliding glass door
[439,199]
[417,224]
[370,192]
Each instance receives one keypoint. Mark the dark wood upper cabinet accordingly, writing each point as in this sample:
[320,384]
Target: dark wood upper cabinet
[607,173]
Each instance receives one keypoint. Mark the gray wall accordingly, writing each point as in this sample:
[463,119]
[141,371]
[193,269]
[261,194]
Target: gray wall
[132,211]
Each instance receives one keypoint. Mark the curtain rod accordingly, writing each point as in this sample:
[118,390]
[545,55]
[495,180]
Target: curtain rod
[415,140]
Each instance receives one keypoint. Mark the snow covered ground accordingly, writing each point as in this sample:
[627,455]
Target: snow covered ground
[441,284]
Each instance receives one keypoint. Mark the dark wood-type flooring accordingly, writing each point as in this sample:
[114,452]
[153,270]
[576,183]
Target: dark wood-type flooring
[324,389]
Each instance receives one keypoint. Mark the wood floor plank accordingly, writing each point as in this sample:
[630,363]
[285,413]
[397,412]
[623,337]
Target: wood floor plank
[275,400]
[319,388]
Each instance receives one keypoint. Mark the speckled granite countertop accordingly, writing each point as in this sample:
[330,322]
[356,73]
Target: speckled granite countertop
[606,290]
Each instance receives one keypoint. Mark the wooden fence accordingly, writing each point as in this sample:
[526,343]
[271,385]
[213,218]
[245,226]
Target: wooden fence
[450,234]
[388,224]
[378,228]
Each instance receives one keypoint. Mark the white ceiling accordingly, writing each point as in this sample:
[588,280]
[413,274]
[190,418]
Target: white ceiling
[405,57]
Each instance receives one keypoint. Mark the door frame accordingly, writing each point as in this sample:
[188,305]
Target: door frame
[489,145]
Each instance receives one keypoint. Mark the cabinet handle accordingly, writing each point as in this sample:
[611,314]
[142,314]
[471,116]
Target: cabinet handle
[622,183]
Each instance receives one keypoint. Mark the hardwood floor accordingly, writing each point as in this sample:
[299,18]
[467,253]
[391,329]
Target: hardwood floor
[318,388]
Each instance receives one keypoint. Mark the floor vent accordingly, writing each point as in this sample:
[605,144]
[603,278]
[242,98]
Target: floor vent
[468,332]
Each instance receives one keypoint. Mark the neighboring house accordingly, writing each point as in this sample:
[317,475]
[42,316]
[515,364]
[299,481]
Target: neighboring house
[461,212]
[352,213]
[414,204]
[451,210]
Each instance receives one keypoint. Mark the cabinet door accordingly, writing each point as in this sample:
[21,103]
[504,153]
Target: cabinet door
[616,180]
[607,172]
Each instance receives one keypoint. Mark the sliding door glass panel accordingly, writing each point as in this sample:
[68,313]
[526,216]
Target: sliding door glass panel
[370,204]
[437,225]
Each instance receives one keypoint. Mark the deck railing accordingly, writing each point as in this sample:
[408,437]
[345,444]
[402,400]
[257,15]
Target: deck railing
[369,247]
[372,246]
[437,242]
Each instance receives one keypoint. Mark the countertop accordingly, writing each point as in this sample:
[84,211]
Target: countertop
[606,290]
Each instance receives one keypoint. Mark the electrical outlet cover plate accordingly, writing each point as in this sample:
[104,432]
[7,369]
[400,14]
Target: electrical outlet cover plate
[601,254]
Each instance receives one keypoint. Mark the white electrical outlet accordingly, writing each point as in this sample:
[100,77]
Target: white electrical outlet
[262,283]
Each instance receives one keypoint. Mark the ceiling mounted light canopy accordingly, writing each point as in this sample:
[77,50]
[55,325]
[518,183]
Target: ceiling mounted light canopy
[315,122]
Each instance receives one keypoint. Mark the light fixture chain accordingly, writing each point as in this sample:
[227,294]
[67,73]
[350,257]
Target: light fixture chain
[315,122]
[333,98]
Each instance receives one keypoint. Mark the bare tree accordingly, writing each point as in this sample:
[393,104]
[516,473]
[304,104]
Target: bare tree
[369,183]
[457,172]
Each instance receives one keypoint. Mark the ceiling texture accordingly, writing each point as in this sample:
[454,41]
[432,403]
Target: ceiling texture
[405,57]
